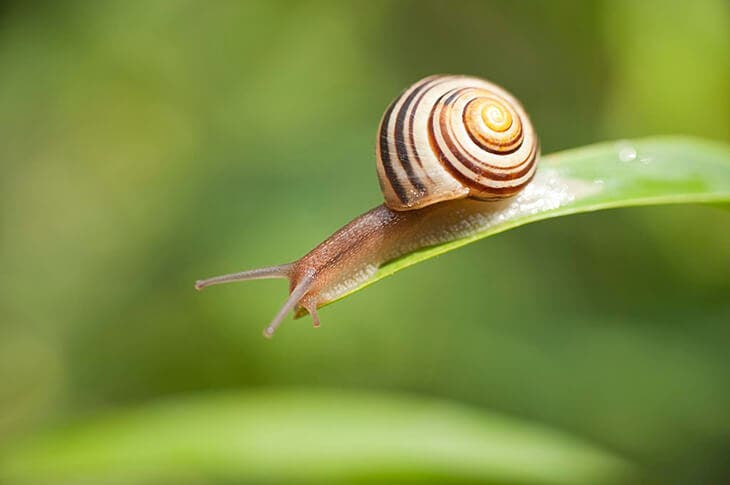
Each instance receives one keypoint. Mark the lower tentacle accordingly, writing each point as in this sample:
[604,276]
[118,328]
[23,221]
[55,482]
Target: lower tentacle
[295,296]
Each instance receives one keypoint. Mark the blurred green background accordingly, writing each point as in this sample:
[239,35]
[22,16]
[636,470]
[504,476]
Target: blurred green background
[146,144]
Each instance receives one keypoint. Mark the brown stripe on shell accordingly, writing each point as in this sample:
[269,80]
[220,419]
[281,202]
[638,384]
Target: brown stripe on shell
[400,137]
[475,166]
[497,192]
[481,167]
[505,148]
[460,147]
[485,174]
[385,158]
[411,119]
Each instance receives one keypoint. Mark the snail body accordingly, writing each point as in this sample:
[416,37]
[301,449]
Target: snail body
[449,148]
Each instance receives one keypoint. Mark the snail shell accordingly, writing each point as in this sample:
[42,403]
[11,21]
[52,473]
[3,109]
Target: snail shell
[450,137]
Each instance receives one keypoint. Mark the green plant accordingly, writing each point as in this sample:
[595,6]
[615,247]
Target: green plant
[651,171]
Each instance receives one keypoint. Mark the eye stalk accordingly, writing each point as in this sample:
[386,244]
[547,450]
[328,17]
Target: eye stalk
[281,271]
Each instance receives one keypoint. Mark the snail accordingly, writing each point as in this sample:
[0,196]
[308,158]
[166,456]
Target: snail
[447,150]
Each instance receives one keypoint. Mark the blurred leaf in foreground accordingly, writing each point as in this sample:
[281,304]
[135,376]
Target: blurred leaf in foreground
[312,436]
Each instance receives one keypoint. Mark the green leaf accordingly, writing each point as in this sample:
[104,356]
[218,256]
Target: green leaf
[626,173]
[314,436]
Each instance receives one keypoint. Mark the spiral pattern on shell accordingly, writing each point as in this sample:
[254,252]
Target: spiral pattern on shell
[449,137]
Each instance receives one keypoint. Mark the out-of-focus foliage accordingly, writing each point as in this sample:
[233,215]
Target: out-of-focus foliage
[312,437]
[149,143]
